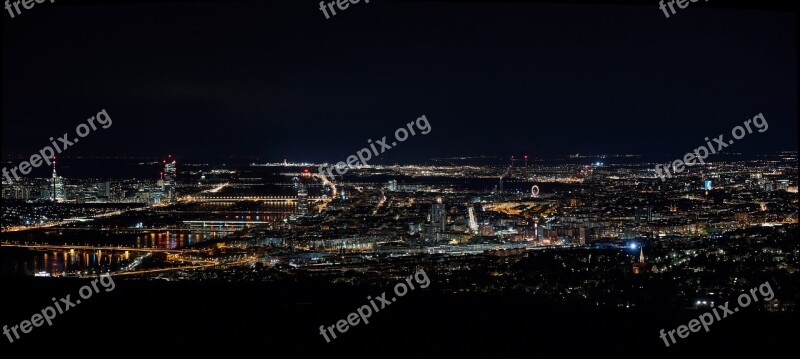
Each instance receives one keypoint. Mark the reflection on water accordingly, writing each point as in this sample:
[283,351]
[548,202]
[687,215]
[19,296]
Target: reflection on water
[166,239]
[159,229]
[61,262]
[173,240]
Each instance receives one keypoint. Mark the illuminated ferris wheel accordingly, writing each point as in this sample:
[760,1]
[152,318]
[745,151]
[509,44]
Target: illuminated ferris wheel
[535,191]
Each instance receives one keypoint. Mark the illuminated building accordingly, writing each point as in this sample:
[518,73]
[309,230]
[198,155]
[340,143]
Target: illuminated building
[644,214]
[302,197]
[391,186]
[170,175]
[437,220]
[104,189]
[57,184]
[473,223]
[641,266]
[302,200]
[438,215]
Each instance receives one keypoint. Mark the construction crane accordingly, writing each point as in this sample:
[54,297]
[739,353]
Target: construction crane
[510,165]
[524,158]
[503,175]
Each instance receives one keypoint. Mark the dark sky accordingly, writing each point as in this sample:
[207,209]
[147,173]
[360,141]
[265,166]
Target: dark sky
[276,79]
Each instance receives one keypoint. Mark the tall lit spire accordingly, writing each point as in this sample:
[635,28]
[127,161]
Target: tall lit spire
[55,180]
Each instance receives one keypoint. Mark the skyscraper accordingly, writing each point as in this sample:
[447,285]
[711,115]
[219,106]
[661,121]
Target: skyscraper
[439,214]
[302,200]
[105,189]
[438,220]
[302,197]
[473,222]
[170,174]
[57,184]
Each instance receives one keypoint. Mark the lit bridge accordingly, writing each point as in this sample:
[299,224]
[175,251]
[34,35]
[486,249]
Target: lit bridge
[273,199]
[222,226]
[90,248]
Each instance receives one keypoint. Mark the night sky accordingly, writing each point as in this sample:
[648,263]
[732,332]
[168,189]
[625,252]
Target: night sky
[277,80]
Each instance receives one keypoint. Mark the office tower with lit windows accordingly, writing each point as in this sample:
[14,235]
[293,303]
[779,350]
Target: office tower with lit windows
[57,186]
[302,200]
[439,215]
[170,175]
[437,220]
[104,189]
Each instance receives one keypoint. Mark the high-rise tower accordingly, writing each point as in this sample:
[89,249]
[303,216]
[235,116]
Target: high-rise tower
[170,175]
[473,222]
[302,197]
[439,215]
[302,200]
[57,184]
[438,220]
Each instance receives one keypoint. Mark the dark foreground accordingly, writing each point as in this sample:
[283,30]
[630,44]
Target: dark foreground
[186,318]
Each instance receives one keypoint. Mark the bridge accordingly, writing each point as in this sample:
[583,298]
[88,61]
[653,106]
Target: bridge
[225,229]
[191,264]
[211,228]
[272,199]
[90,248]
[221,226]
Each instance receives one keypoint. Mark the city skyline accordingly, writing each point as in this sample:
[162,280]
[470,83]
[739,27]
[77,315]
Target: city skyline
[428,178]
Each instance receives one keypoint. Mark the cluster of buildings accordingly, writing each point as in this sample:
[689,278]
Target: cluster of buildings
[566,232]
[28,202]
[545,205]
[62,190]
